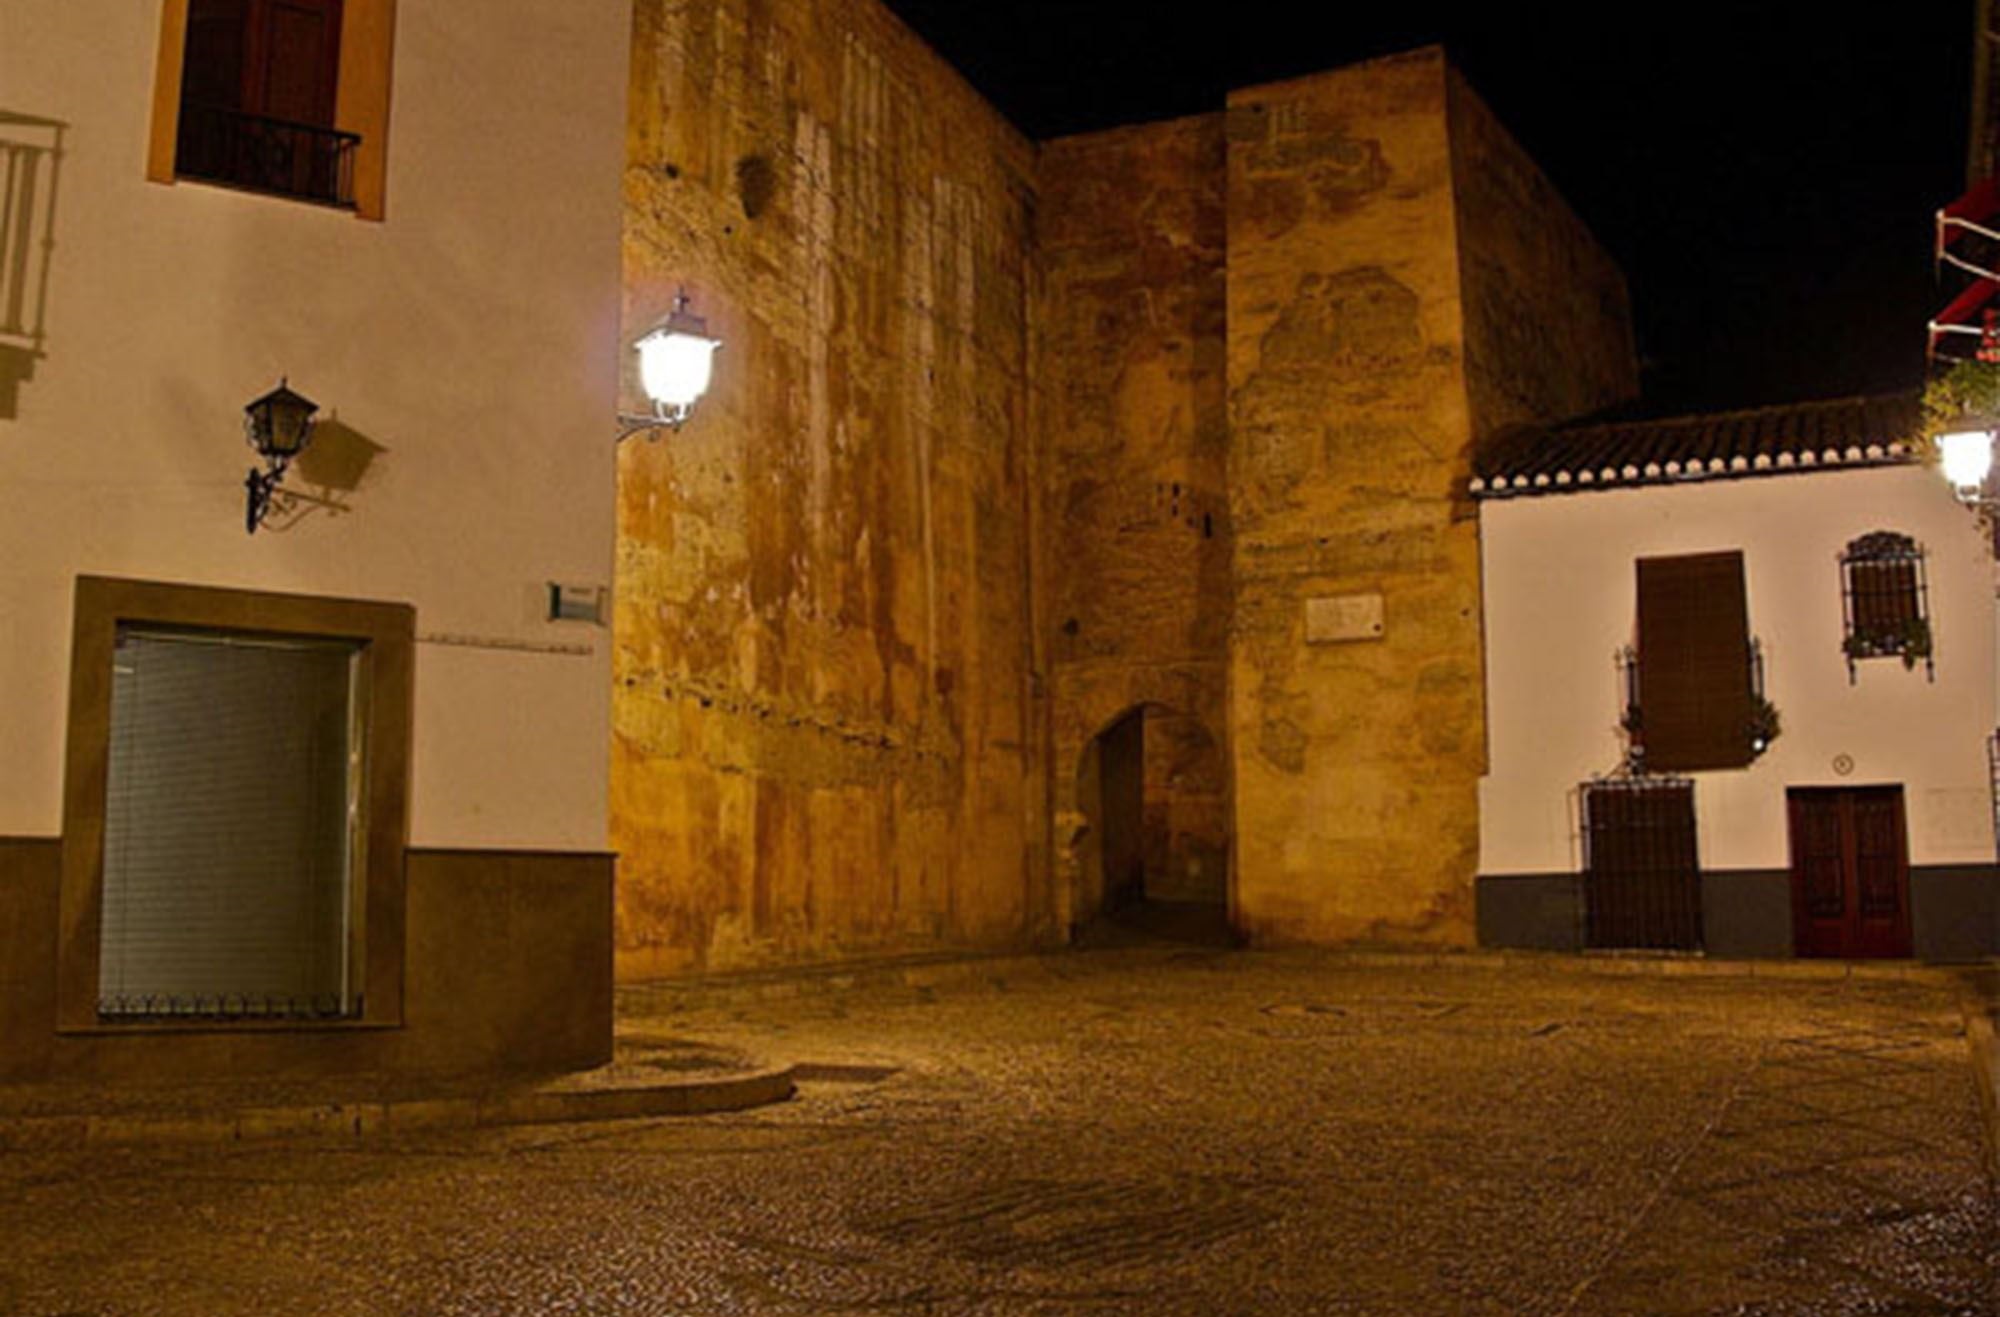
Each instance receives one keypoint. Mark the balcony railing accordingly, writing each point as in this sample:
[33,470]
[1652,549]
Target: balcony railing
[1760,729]
[31,156]
[266,155]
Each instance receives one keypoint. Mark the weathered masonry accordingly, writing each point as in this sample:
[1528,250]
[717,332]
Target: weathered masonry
[1066,521]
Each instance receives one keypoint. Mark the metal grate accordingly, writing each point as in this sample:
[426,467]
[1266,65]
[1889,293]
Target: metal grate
[1993,776]
[1642,878]
[231,826]
[157,1006]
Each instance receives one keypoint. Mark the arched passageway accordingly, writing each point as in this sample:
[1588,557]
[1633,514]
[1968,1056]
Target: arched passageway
[1153,858]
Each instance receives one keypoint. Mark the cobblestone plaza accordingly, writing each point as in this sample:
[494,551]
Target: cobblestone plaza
[1146,1132]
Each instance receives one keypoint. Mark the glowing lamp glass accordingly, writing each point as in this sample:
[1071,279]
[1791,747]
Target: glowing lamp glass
[674,367]
[1968,457]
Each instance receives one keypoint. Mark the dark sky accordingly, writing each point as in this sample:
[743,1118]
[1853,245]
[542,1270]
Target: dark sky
[1765,172]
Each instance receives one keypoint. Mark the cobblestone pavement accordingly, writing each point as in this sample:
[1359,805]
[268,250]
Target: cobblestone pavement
[1122,1133]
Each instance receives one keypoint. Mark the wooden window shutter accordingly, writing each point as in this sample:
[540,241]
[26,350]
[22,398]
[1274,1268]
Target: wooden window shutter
[294,59]
[1694,662]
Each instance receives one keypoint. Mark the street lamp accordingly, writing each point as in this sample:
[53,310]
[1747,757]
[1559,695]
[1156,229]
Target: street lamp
[278,425]
[675,363]
[1967,458]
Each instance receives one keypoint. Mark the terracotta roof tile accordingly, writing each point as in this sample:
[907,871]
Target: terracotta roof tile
[1837,432]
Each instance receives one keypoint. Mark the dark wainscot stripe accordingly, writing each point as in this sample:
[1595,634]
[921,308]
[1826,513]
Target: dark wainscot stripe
[1746,914]
[1532,911]
[1955,911]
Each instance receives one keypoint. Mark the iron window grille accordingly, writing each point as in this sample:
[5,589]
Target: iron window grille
[1641,873]
[1885,602]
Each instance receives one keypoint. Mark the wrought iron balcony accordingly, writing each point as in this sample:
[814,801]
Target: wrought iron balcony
[263,154]
[1761,727]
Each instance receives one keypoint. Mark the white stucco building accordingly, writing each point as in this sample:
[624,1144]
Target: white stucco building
[1680,589]
[410,213]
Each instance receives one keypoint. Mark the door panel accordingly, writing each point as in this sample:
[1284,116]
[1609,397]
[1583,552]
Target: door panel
[1817,849]
[1850,871]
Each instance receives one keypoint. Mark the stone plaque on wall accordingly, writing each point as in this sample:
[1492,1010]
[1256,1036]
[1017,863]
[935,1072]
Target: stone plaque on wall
[1332,619]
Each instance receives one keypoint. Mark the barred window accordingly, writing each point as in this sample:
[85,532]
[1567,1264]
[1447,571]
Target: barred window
[1642,880]
[1885,600]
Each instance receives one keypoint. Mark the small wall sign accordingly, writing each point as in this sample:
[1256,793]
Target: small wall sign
[576,603]
[1340,618]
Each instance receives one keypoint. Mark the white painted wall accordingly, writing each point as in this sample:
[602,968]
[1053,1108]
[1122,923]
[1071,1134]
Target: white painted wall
[473,335]
[1561,600]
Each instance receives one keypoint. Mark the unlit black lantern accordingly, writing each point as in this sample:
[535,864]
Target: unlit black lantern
[278,425]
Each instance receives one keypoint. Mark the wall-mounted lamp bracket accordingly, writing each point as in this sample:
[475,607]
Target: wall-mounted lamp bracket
[278,426]
[630,423]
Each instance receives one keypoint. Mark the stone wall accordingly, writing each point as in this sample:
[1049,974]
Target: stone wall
[1006,443]
[827,737]
[1132,236]
[1357,724]
[1548,326]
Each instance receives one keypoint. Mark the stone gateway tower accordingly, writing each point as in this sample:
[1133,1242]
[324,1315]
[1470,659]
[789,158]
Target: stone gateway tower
[1067,523]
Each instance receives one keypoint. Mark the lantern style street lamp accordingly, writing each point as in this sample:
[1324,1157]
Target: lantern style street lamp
[1967,458]
[675,363]
[278,425]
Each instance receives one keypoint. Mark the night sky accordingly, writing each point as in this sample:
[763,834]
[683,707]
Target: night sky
[1765,172]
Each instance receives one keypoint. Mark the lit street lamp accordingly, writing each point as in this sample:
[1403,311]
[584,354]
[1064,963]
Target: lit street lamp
[675,363]
[1967,457]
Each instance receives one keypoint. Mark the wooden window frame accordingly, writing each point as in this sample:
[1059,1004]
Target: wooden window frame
[387,636]
[361,100]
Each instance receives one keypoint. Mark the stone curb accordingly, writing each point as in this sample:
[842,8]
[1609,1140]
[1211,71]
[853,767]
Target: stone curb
[551,1104]
[1658,965]
[665,996]
[1985,1056]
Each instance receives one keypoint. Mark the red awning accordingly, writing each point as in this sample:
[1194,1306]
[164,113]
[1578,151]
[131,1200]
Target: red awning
[1963,314]
[1975,207]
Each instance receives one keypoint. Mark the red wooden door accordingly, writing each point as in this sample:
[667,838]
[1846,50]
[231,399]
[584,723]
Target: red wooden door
[1850,872]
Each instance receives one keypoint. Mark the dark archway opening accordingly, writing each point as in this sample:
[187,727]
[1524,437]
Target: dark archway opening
[1154,859]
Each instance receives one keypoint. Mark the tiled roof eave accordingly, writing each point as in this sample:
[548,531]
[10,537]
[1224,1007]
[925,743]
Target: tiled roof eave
[1655,474]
